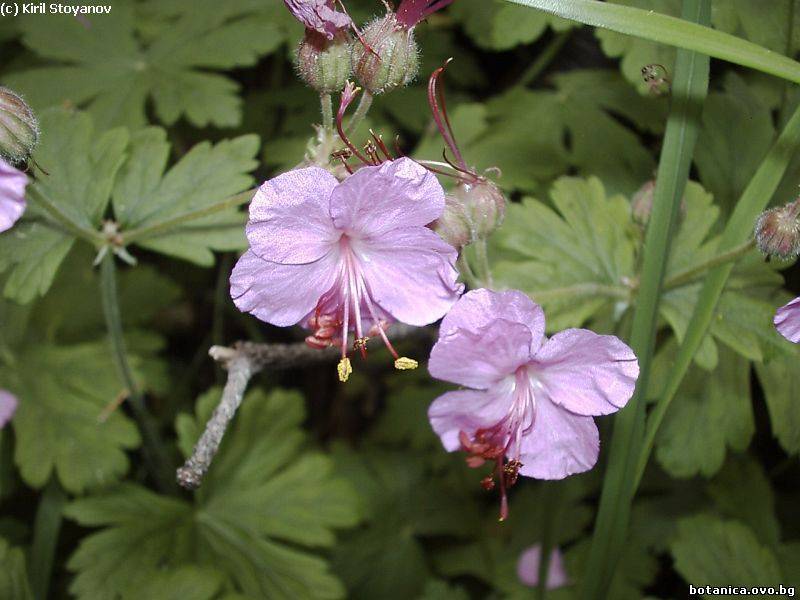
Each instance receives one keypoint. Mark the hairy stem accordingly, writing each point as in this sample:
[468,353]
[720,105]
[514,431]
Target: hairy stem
[326,104]
[482,253]
[59,216]
[155,455]
[691,275]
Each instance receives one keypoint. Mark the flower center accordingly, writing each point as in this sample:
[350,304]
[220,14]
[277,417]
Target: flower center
[501,443]
[344,303]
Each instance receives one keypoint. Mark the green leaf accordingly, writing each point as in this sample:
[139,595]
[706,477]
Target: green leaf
[665,29]
[710,551]
[81,167]
[184,583]
[742,491]
[62,392]
[13,575]
[780,380]
[145,196]
[107,68]
[439,590]
[712,412]
[765,23]
[265,502]
[496,25]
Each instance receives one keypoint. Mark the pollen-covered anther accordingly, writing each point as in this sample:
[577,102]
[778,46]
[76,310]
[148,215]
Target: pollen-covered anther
[344,369]
[360,343]
[511,471]
[405,364]
[487,483]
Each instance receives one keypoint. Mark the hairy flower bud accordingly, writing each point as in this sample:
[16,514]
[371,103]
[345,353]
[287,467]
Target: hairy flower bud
[19,129]
[387,58]
[454,225]
[324,64]
[778,231]
[642,203]
[484,205]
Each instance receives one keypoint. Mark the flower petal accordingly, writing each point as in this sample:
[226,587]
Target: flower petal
[561,443]
[478,307]
[468,411]
[483,359]
[280,294]
[586,373]
[787,320]
[528,568]
[12,195]
[410,273]
[8,406]
[374,200]
[318,15]
[289,217]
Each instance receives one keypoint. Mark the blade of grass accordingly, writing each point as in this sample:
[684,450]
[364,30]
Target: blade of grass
[739,228]
[668,30]
[46,529]
[689,90]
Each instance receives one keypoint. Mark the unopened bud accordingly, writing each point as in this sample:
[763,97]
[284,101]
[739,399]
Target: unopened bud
[323,64]
[454,226]
[388,56]
[19,129]
[778,231]
[484,204]
[642,203]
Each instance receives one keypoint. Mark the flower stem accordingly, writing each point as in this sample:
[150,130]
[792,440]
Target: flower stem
[361,111]
[155,454]
[326,104]
[754,199]
[550,513]
[467,273]
[544,59]
[59,216]
[155,229]
[691,275]
[482,253]
[690,87]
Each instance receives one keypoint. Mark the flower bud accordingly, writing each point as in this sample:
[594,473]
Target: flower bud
[19,129]
[387,58]
[484,205]
[778,231]
[454,226]
[323,64]
[642,203]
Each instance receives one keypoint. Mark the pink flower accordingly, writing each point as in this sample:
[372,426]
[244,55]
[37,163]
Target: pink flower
[411,12]
[787,321]
[350,256]
[319,15]
[528,568]
[8,406]
[531,402]
[12,195]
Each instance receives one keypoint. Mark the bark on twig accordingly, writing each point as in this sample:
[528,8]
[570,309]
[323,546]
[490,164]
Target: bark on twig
[242,361]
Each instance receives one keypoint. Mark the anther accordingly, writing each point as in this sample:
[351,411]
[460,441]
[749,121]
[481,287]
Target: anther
[344,369]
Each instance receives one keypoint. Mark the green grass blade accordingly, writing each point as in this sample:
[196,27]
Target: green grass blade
[46,529]
[689,90]
[671,31]
[755,199]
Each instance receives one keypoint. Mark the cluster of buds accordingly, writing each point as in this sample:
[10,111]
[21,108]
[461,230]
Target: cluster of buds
[777,231]
[19,128]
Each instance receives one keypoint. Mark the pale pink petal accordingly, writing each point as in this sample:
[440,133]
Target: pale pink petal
[290,221]
[8,406]
[586,373]
[467,410]
[787,321]
[477,308]
[410,273]
[560,444]
[483,359]
[396,194]
[280,294]
[12,195]
[528,568]
[319,15]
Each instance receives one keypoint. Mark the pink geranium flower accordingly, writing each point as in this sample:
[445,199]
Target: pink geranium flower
[532,399]
[411,12]
[787,321]
[350,256]
[8,406]
[319,15]
[12,195]
[528,568]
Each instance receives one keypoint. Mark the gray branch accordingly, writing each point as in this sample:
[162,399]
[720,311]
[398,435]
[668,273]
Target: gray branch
[242,361]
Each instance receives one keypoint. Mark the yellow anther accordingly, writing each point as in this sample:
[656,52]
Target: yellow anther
[404,364]
[344,369]
[360,343]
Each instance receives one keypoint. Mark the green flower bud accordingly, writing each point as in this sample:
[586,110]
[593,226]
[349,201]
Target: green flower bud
[324,64]
[388,57]
[484,204]
[19,128]
[454,226]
